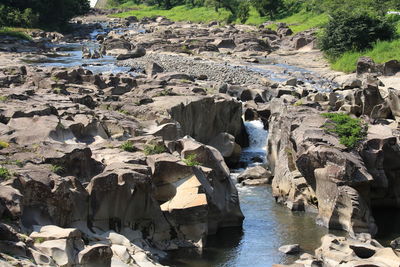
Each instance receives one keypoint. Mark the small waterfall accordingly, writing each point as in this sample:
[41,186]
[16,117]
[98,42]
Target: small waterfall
[256,152]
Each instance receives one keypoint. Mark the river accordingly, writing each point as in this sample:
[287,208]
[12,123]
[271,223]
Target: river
[267,225]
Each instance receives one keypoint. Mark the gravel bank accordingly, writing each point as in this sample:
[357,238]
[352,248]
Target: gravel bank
[195,66]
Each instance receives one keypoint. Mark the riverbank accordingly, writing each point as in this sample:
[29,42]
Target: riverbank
[108,175]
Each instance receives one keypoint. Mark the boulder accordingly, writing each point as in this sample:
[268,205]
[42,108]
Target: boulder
[152,69]
[290,249]
[391,67]
[206,118]
[138,52]
[255,173]
[394,102]
[311,167]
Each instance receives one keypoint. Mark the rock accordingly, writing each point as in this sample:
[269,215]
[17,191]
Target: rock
[152,69]
[112,44]
[206,118]
[395,244]
[291,82]
[284,31]
[391,67]
[255,173]
[302,163]
[366,65]
[337,251]
[95,255]
[122,197]
[10,200]
[138,52]
[222,196]
[290,249]
[225,43]
[225,144]
[394,102]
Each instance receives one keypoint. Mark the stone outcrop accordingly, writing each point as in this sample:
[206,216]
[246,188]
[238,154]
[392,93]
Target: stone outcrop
[313,171]
[206,118]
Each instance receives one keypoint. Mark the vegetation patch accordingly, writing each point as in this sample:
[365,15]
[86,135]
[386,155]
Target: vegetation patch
[191,160]
[15,32]
[128,146]
[381,52]
[153,149]
[57,169]
[351,131]
[4,144]
[5,173]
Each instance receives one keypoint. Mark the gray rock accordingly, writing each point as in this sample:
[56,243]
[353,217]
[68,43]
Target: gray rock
[290,249]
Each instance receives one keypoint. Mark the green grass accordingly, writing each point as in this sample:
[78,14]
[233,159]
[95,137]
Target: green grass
[151,149]
[305,20]
[190,160]
[20,33]
[178,13]
[302,21]
[4,174]
[380,53]
[128,146]
[351,131]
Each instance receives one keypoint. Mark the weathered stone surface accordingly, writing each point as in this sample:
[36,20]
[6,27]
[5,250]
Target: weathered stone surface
[310,166]
[206,118]
[290,249]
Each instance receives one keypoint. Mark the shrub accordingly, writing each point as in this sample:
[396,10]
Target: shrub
[128,146]
[190,160]
[347,32]
[351,131]
[152,149]
[4,174]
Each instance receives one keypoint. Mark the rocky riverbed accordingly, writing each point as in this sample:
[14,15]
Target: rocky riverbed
[126,167]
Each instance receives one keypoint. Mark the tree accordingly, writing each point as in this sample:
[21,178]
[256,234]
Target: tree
[243,11]
[270,7]
[352,31]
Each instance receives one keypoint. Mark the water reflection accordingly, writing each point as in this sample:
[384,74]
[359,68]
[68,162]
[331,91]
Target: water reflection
[267,227]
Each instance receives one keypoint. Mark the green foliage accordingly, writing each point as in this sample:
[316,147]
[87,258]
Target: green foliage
[190,160]
[4,173]
[357,32]
[53,14]
[57,169]
[128,146]
[351,131]
[270,7]
[243,11]
[4,144]
[178,13]
[152,149]
[15,32]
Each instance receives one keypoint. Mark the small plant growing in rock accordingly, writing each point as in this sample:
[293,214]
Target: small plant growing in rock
[3,98]
[351,131]
[123,111]
[57,169]
[4,144]
[54,79]
[4,173]
[39,240]
[298,103]
[57,91]
[152,149]
[128,146]
[191,160]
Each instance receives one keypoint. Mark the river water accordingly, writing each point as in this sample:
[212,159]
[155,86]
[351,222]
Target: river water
[267,225]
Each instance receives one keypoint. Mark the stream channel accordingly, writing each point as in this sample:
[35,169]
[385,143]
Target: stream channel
[267,225]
